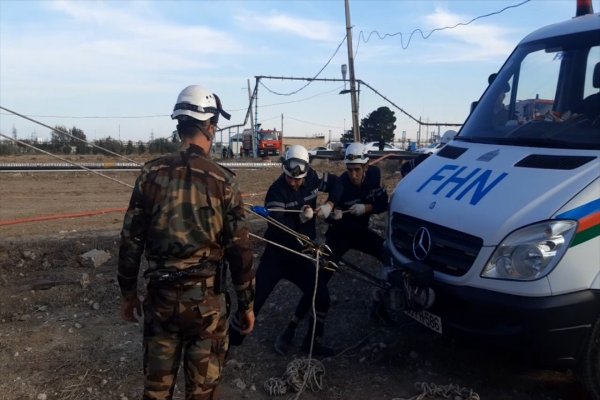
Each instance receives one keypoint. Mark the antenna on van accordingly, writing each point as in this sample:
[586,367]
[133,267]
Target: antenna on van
[584,7]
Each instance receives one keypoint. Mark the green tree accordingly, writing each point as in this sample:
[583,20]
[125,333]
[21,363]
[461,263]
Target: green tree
[141,148]
[379,126]
[162,146]
[129,147]
[59,142]
[80,146]
[108,143]
[347,137]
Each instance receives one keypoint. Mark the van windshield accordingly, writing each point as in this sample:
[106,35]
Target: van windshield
[545,95]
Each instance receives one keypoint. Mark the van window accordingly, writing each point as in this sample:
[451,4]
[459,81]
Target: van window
[542,96]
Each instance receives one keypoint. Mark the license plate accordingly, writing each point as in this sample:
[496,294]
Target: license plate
[426,318]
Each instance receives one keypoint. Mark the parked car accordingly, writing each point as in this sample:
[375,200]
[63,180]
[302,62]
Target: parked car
[313,151]
[430,149]
[374,146]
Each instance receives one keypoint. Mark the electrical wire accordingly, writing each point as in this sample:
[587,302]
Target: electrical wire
[428,34]
[67,161]
[62,132]
[304,99]
[310,81]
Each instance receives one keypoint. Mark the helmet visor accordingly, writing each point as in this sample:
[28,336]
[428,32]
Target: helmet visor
[295,167]
[352,157]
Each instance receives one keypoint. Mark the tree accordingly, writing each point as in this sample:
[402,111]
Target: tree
[129,147]
[141,148]
[81,146]
[347,137]
[59,141]
[379,126]
[109,144]
[161,146]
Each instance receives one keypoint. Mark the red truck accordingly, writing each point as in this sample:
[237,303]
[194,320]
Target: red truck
[270,142]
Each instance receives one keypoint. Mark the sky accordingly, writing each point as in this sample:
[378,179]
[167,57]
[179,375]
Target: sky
[115,68]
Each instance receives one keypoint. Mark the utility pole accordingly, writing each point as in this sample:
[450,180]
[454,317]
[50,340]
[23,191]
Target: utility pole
[254,143]
[355,127]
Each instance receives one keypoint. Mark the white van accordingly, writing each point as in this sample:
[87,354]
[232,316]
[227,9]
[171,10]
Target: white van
[497,236]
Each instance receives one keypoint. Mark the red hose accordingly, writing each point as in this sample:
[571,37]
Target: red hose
[75,215]
[61,216]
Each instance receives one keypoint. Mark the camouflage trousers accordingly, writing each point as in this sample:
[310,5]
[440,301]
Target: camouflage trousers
[189,323]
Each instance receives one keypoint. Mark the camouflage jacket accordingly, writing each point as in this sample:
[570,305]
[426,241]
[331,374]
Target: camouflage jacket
[186,213]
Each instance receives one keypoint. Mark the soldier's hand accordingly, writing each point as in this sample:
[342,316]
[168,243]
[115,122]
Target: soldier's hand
[130,306]
[247,319]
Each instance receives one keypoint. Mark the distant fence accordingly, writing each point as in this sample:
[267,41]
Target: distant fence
[121,166]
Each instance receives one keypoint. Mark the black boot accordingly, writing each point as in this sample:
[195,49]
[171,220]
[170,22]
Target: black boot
[283,342]
[319,349]
[379,313]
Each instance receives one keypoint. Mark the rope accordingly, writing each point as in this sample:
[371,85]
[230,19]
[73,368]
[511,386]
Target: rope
[305,372]
[450,391]
[68,134]
[303,238]
[67,161]
[300,373]
[281,246]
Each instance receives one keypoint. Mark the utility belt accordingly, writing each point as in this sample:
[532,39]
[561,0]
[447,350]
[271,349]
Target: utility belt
[190,277]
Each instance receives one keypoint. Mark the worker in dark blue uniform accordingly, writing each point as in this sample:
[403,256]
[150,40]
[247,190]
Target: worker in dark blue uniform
[362,196]
[296,189]
[358,194]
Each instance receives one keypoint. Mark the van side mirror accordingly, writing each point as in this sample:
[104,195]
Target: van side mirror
[473,105]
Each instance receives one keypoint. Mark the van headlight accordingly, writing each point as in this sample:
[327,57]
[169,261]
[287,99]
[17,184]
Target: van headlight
[531,252]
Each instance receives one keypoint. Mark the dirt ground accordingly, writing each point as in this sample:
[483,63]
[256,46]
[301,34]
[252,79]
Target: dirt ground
[61,338]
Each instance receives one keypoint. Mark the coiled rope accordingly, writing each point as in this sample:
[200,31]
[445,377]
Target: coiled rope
[301,373]
[450,391]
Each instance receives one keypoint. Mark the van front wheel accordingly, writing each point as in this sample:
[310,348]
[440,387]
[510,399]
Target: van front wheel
[590,366]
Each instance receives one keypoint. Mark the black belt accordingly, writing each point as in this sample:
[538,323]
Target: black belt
[188,281]
[187,276]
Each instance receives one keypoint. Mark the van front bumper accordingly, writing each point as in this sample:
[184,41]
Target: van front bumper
[555,328]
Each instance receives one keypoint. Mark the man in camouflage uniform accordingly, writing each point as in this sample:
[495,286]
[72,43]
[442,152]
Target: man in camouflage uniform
[186,214]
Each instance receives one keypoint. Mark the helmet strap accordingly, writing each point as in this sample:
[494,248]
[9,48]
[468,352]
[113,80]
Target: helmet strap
[205,132]
[184,126]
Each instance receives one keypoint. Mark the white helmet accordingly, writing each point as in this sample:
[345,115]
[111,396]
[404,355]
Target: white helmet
[295,162]
[448,136]
[198,103]
[356,153]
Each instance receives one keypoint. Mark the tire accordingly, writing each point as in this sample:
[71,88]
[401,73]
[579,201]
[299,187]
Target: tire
[590,363]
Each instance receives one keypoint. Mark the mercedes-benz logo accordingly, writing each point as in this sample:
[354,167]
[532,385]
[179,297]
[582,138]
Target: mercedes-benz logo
[421,243]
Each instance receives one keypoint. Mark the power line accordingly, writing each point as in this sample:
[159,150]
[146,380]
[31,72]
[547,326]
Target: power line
[68,161]
[96,117]
[312,123]
[428,34]
[62,132]
[310,81]
[304,99]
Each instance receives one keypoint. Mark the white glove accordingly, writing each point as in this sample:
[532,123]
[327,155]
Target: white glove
[357,209]
[324,210]
[306,213]
[337,214]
